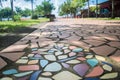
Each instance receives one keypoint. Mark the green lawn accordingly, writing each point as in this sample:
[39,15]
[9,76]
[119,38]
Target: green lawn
[10,26]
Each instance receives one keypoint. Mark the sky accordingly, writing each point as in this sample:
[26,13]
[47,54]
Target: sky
[57,3]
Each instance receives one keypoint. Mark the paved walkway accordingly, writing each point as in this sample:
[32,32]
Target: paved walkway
[67,49]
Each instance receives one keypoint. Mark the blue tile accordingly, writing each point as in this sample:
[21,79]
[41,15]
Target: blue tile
[92,62]
[35,75]
[107,63]
[10,71]
[43,63]
[77,50]
[34,49]
[91,79]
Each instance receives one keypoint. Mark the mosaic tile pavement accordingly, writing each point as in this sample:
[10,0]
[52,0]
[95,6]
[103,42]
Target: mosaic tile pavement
[61,62]
[65,49]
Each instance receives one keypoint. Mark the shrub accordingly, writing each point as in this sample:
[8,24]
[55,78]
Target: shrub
[35,16]
[17,17]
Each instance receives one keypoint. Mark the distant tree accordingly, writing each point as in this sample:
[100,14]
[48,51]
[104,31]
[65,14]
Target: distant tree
[5,13]
[26,12]
[45,8]
[32,3]
[18,10]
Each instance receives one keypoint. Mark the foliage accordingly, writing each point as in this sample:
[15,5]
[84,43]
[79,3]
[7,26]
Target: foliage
[94,9]
[26,12]
[10,26]
[34,16]
[71,7]
[45,8]
[5,12]
[17,17]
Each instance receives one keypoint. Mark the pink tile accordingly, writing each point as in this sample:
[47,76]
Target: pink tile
[28,67]
[97,71]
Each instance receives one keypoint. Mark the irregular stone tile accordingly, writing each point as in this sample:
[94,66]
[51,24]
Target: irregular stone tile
[80,44]
[107,63]
[2,63]
[24,57]
[44,78]
[72,54]
[62,56]
[50,57]
[51,51]
[81,54]
[103,50]
[67,59]
[91,79]
[23,78]
[65,48]
[34,49]
[53,67]
[73,62]
[22,61]
[6,78]
[81,58]
[30,55]
[115,44]
[65,65]
[92,62]
[34,45]
[58,53]
[10,71]
[60,45]
[66,75]
[94,42]
[47,74]
[77,50]
[43,63]
[14,48]
[66,51]
[33,62]
[13,56]
[72,47]
[43,49]
[109,37]
[116,56]
[97,71]
[107,67]
[37,56]
[28,67]
[94,38]
[109,75]
[81,69]
[89,56]
[21,74]
[35,75]
[100,58]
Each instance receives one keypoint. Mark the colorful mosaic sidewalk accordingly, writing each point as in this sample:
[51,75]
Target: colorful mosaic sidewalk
[60,61]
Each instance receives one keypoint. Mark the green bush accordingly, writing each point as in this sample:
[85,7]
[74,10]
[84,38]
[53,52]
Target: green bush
[35,16]
[17,17]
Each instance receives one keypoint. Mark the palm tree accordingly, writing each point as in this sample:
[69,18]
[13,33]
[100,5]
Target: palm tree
[12,11]
[88,8]
[96,8]
[32,1]
[1,3]
[112,16]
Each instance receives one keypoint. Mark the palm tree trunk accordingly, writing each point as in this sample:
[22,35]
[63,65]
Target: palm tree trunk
[112,16]
[11,2]
[96,8]
[88,9]
[1,3]
[32,6]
